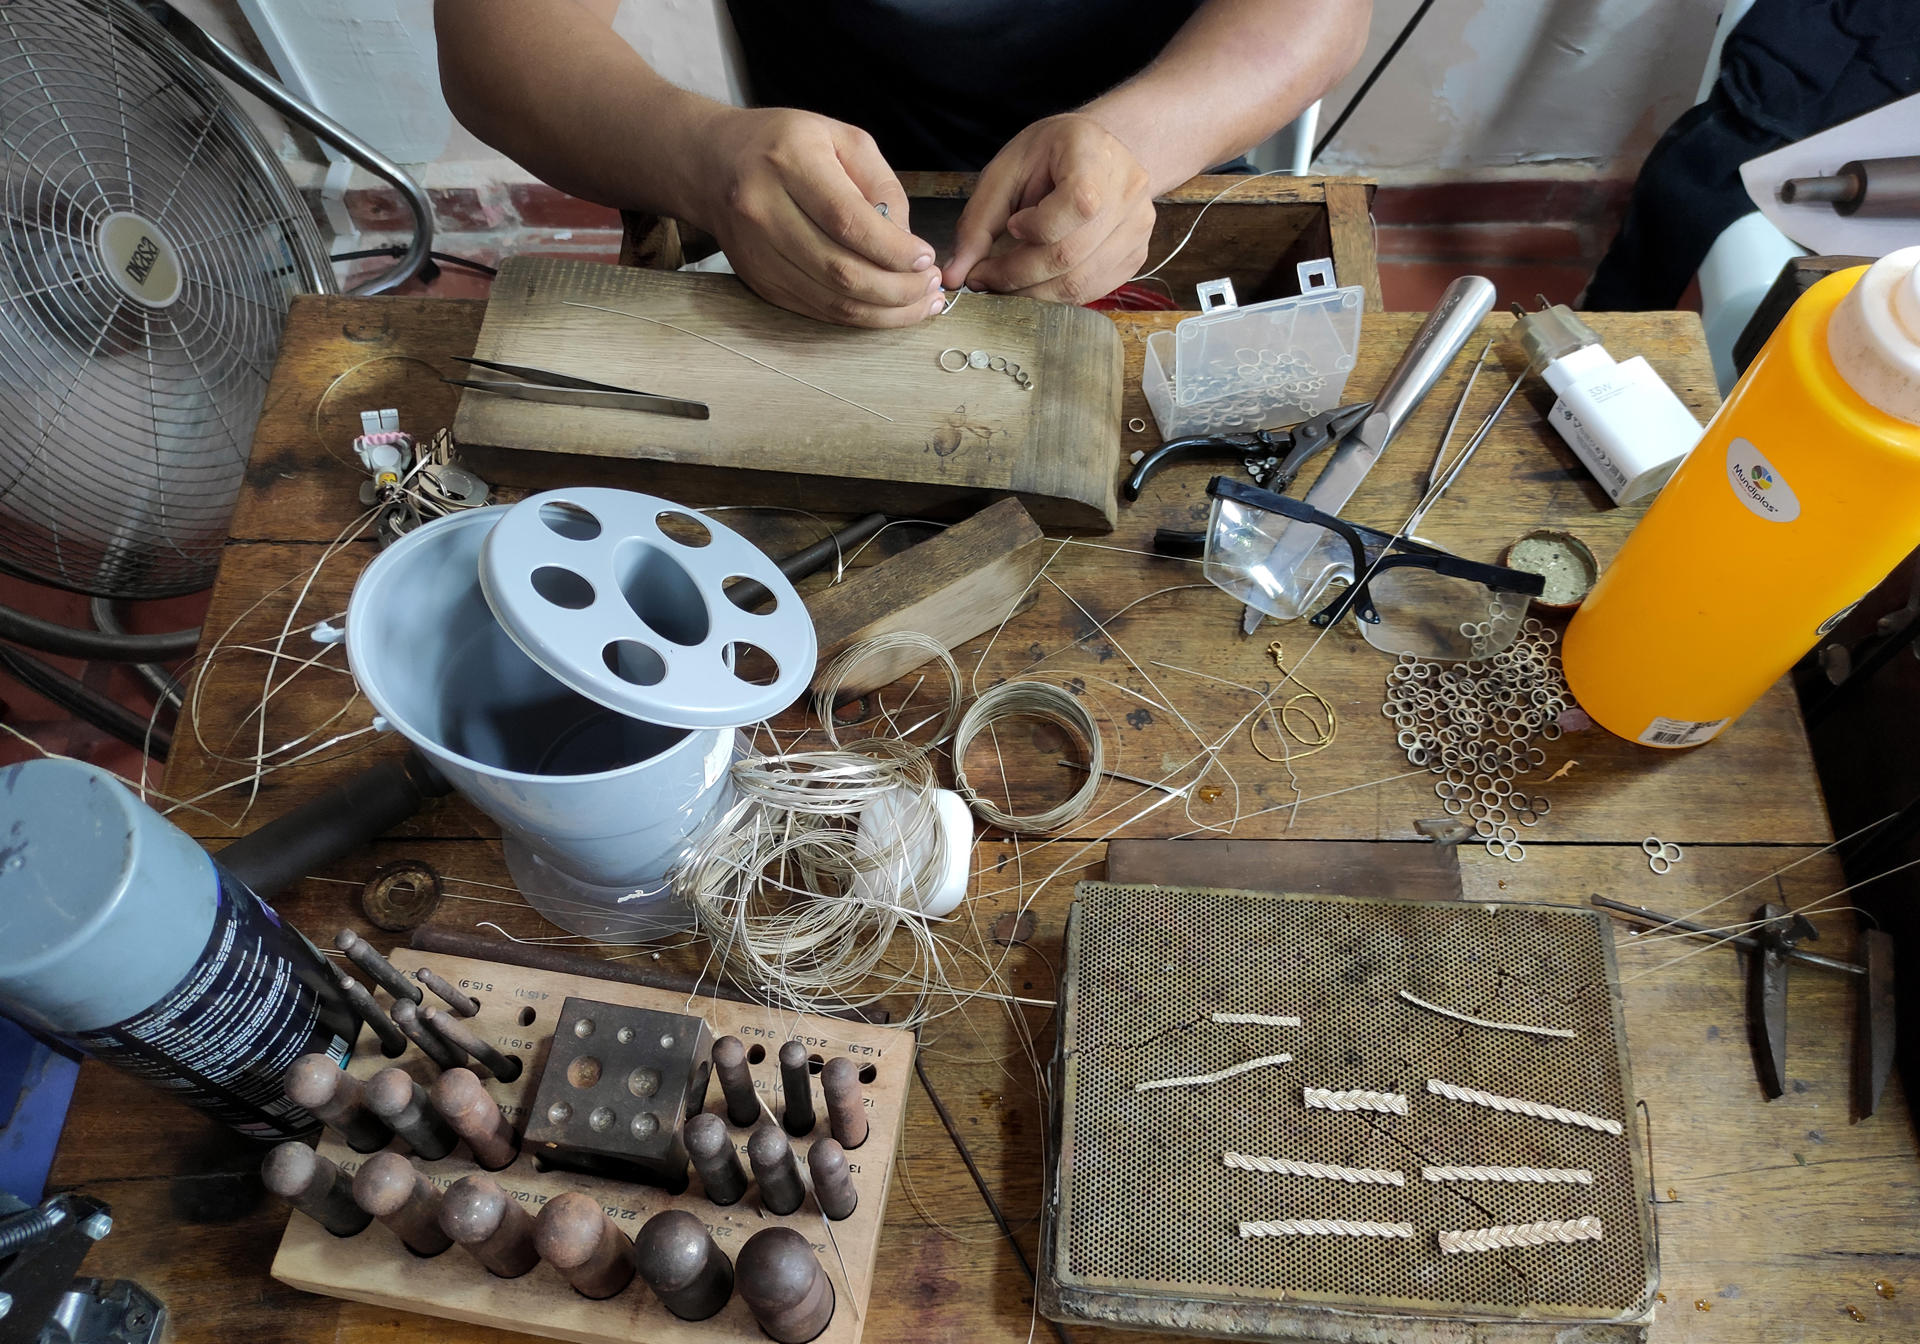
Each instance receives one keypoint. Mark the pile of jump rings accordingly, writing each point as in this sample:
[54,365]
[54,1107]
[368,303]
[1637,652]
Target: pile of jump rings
[982,359]
[1475,725]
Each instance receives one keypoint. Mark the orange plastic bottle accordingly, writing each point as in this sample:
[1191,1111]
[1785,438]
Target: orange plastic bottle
[1801,496]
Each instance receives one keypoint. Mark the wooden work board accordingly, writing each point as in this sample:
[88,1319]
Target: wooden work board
[920,436]
[518,1009]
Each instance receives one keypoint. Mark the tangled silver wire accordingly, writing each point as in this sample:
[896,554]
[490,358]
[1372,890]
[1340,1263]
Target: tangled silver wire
[801,894]
[1478,725]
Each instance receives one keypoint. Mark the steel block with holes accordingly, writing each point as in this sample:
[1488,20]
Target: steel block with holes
[619,1085]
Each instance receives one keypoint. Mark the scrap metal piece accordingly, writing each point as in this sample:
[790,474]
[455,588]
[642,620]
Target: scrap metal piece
[474,1115]
[618,1084]
[677,1257]
[575,1236]
[784,1286]
[796,1089]
[714,1157]
[1873,1038]
[736,1082]
[406,1016]
[775,1169]
[489,1225]
[376,967]
[832,1180]
[462,1003]
[315,1186]
[402,1104]
[390,1188]
[1767,992]
[846,1109]
[401,895]
[393,1041]
[319,1086]
[487,1060]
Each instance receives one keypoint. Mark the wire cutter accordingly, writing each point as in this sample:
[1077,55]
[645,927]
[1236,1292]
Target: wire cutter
[1273,457]
[564,389]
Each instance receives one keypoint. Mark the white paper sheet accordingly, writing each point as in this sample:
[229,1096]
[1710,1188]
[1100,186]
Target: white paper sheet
[1887,132]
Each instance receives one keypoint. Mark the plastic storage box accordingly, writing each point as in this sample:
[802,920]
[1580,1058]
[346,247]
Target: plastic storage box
[1235,369]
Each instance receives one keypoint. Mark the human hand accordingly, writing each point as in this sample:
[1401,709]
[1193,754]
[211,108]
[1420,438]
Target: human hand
[1076,205]
[790,196]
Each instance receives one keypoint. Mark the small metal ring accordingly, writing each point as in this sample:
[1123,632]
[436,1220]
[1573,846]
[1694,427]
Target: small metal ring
[1651,846]
[1670,852]
[1507,833]
[1137,425]
[978,359]
[1659,865]
[1527,817]
[998,363]
[1486,829]
[1515,851]
[961,367]
[1497,847]
[1541,804]
[1452,807]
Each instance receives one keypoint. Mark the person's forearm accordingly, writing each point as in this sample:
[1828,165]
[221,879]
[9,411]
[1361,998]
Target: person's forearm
[549,84]
[1235,73]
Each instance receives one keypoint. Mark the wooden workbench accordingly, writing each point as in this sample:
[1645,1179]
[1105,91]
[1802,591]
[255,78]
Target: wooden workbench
[1776,1220]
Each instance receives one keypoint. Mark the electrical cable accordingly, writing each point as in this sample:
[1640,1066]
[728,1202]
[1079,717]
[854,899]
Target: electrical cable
[1379,67]
[64,641]
[78,698]
[160,681]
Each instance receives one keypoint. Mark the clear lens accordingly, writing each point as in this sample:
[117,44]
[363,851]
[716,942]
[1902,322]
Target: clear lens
[1431,615]
[1273,563]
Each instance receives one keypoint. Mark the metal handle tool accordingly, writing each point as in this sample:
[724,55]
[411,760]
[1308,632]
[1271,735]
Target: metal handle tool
[1458,314]
[563,389]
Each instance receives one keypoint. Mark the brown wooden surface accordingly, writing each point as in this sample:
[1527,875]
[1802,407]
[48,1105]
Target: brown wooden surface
[1253,234]
[927,434]
[1316,867]
[372,1266]
[954,585]
[1778,1217]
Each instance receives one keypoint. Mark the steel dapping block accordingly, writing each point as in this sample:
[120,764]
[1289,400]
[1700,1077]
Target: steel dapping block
[462,1003]
[402,1103]
[464,1104]
[832,1181]
[490,1224]
[333,1096]
[846,1111]
[376,967]
[784,1286]
[736,1081]
[460,1036]
[316,1187]
[677,1257]
[796,1086]
[406,1016]
[711,1148]
[618,1084]
[393,1041]
[388,1187]
[575,1236]
[775,1168]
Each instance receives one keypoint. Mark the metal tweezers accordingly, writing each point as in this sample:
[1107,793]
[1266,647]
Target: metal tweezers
[565,390]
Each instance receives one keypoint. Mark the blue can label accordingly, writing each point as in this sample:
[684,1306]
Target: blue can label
[259,997]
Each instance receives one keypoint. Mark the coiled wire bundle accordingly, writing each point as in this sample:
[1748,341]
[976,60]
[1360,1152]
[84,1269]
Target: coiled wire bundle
[825,855]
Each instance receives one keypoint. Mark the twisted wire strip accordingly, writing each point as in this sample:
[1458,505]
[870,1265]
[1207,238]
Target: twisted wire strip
[1283,1166]
[1560,1032]
[1225,1073]
[1256,1019]
[1521,1107]
[1319,1098]
[1533,1175]
[1522,1234]
[1326,1227]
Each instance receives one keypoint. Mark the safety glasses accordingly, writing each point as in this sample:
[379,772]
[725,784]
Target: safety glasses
[1407,596]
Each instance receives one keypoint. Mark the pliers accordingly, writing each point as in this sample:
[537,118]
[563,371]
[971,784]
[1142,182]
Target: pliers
[1273,457]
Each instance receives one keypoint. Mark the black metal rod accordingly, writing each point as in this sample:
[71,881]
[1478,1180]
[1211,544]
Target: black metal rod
[75,696]
[1741,940]
[96,646]
[748,593]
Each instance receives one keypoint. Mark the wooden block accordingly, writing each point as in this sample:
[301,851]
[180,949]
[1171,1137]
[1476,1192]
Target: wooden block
[519,1009]
[953,586]
[918,437]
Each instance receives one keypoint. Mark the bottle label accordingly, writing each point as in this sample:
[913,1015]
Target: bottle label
[1665,732]
[256,1000]
[1758,484]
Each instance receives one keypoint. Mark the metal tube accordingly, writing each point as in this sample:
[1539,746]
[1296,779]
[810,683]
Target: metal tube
[376,967]
[460,1036]
[393,1041]
[1746,942]
[712,1151]
[796,1088]
[736,1081]
[392,1190]
[846,1111]
[775,1169]
[406,1016]
[402,1103]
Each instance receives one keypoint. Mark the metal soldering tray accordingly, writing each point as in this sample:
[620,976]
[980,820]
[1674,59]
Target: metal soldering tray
[1141,1220]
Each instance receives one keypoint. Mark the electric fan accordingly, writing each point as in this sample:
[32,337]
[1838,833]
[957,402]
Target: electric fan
[149,246]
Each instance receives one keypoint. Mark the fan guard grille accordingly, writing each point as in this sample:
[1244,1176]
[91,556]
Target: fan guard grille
[149,245]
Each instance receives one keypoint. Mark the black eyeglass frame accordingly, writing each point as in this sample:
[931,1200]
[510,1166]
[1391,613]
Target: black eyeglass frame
[1373,553]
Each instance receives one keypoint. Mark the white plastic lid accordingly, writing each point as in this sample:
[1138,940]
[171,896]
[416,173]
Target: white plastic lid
[1874,335]
[624,598]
